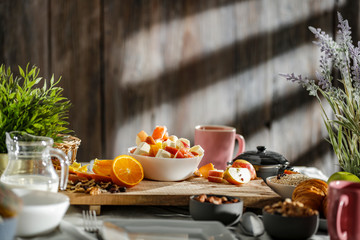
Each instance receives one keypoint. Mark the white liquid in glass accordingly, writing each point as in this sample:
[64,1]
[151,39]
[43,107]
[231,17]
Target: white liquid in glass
[31,182]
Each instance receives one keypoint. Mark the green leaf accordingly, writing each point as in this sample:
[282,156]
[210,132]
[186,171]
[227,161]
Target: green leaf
[26,107]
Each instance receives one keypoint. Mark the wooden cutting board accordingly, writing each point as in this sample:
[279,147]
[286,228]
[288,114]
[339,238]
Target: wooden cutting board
[254,194]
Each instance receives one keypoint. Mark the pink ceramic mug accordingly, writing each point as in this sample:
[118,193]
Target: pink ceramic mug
[344,210]
[218,143]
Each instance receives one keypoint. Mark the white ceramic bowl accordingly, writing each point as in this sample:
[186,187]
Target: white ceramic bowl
[168,169]
[41,213]
[285,191]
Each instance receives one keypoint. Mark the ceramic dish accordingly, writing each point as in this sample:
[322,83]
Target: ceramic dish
[226,213]
[323,224]
[168,169]
[285,191]
[290,228]
[41,213]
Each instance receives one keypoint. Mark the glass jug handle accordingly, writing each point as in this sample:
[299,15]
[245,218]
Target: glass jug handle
[64,163]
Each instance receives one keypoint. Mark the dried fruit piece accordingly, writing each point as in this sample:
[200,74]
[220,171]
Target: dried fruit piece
[101,178]
[85,175]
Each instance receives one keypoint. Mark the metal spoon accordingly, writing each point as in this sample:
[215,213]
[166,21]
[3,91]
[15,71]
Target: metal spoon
[250,224]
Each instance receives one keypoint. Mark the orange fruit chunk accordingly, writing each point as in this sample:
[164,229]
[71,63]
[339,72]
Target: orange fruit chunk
[159,132]
[102,167]
[142,135]
[204,170]
[126,171]
[165,137]
[155,148]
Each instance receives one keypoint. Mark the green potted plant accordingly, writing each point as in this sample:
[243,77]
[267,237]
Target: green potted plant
[31,104]
[342,95]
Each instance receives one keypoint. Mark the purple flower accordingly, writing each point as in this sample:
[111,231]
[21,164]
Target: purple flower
[293,78]
[341,55]
[345,32]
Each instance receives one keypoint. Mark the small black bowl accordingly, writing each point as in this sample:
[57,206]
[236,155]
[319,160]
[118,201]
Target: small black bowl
[226,213]
[290,228]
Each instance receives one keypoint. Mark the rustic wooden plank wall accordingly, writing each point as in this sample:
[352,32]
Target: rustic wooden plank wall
[130,65]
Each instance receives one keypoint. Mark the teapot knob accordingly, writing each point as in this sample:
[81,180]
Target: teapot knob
[261,149]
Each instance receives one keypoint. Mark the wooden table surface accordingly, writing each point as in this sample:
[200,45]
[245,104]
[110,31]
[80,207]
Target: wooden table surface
[255,194]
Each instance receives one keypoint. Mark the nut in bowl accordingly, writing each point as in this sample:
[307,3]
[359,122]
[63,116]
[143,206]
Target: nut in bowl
[290,220]
[225,209]
[164,157]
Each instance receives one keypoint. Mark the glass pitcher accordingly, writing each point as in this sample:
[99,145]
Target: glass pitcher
[30,163]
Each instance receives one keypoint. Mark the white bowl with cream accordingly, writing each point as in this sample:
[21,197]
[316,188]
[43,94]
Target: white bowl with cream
[41,213]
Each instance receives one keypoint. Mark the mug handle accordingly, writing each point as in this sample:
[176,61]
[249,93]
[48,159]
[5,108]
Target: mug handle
[241,141]
[64,163]
[344,201]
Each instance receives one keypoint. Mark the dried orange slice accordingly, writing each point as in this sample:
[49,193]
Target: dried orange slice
[101,178]
[102,167]
[204,170]
[126,171]
[84,175]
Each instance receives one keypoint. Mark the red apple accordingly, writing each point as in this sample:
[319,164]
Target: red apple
[184,153]
[171,150]
[215,179]
[237,176]
[216,176]
[241,163]
[150,140]
[216,173]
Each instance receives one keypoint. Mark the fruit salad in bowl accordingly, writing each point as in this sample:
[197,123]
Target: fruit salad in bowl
[166,157]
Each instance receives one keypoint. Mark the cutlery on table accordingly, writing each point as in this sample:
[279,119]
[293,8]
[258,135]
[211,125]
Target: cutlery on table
[90,223]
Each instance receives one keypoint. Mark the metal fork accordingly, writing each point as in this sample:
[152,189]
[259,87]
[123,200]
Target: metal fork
[90,223]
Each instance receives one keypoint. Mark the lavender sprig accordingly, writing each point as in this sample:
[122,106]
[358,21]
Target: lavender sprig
[355,56]
[304,82]
[344,33]
[326,44]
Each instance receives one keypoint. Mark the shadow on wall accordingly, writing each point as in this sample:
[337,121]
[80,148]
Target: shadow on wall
[217,66]
[226,61]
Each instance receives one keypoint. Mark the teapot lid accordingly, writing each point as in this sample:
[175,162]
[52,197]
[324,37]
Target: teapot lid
[263,157]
